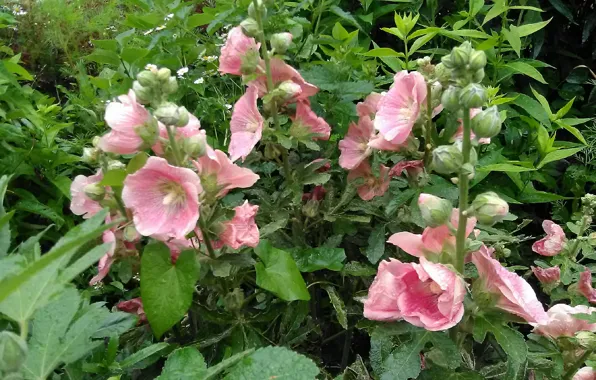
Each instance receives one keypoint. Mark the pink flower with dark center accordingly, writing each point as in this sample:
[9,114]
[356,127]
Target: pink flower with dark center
[561,321]
[133,306]
[554,241]
[354,147]
[219,175]
[459,135]
[80,203]
[426,295]
[236,48]
[432,241]
[373,186]
[281,72]
[370,105]
[246,125]
[312,124]
[125,118]
[164,199]
[412,168]
[242,229]
[585,285]
[400,107]
[514,294]
[585,373]
[547,275]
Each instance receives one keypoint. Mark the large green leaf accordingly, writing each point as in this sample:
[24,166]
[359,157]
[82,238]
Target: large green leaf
[145,356]
[514,39]
[498,7]
[184,364]
[527,29]
[101,56]
[404,361]
[531,107]
[274,363]
[278,273]
[376,244]
[559,155]
[312,259]
[166,288]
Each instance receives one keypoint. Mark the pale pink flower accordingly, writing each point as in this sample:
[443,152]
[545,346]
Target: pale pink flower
[459,134]
[133,306]
[176,246]
[378,142]
[313,124]
[426,295]
[281,72]
[219,175]
[400,107]
[193,128]
[412,168]
[80,203]
[561,321]
[554,241]
[242,229]
[585,285]
[164,199]
[515,295]
[354,147]
[246,125]
[106,261]
[236,47]
[432,241]
[370,105]
[124,118]
[547,275]
[585,373]
[373,186]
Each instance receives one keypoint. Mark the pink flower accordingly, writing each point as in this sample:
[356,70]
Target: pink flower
[124,118]
[133,306]
[433,241]
[242,229]
[426,295]
[400,107]
[586,373]
[373,186]
[282,72]
[585,286]
[370,105]
[236,47]
[554,241]
[193,128]
[516,296]
[354,147]
[412,168]
[459,135]
[561,321]
[547,275]
[80,203]
[378,142]
[164,199]
[219,175]
[106,261]
[317,194]
[246,125]
[176,246]
[313,124]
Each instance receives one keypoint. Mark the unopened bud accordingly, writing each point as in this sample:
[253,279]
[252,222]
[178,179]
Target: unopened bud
[450,98]
[233,300]
[489,208]
[143,94]
[130,233]
[196,145]
[249,62]
[442,73]
[288,90]
[487,123]
[164,74]
[447,159]
[95,191]
[170,87]
[250,27]
[459,57]
[468,170]
[478,76]
[473,96]
[115,165]
[13,352]
[147,79]
[311,208]
[281,42]
[477,60]
[148,132]
[586,339]
[435,211]
[95,141]
[90,155]
[171,114]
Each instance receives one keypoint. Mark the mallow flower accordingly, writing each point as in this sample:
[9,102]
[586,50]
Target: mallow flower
[246,125]
[354,147]
[164,199]
[554,241]
[133,306]
[80,203]
[309,123]
[561,321]
[282,72]
[585,373]
[373,186]
[191,129]
[547,276]
[219,175]
[241,230]
[106,261]
[370,105]
[238,47]
[585,285]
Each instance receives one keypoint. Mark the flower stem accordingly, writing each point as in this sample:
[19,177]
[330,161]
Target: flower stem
[573,369]
[206,238]
[460,244]
[175,151]
[429,124]
[24,327]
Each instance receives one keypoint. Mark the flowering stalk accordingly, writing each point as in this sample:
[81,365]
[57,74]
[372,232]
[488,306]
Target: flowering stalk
[173,145]
[429,124]
[463,196]
[206,238]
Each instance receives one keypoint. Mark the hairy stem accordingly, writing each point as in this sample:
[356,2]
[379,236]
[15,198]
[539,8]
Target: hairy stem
[175,150]
[460,244]
[206,238]
[429,125]
[573,369]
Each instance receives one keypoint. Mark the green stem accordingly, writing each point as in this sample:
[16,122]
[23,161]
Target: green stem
[175,150]
[24,327]
[319,12]
[460,244]
[121,206]
[429,124]
[206,238]
[573,369]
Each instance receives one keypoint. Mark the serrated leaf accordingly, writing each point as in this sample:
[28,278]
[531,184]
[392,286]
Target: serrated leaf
[274,363]
[404,361]
[111,45]
[185,363]
[106,57]
[445,351]
[525,69]
[133,54]
[338,305]
[313,259]
[376,244]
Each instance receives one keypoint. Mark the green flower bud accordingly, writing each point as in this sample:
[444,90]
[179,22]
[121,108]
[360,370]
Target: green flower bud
[195,146]
[460,57]
[473,96]
[487,123]
[586,339]
[250,62]
[477,60]
[170,87]
[95,191]
[95,141]
[130,233]
[116,165]
[90,155]
[147,79]
[468,170]
[478,76]
[144,94]
[171,114]
[311,208]
[447,62]
[233,300]
[435,211]
[447,159]
[250,27]
[442,73]
[148,132]
[287,90]
[13,352]
[164,74]
[489,208]
[450,98]
[281,42]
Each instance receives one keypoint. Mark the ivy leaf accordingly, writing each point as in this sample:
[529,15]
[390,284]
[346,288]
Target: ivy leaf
[166,288]
[376,244]
[279,274]
[184,364]
[312,259]
[274,363]
[338,305]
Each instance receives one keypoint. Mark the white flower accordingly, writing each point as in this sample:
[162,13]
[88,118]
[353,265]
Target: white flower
[228,106]
[151,67]
[148,32]
[182,71]
[169,17]
[161,27]
[199,81]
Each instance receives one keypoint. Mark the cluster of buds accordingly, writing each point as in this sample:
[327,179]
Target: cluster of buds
[154,85]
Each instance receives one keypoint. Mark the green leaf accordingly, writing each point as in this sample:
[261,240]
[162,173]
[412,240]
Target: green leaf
[114,177]
[418,43]
[564,110]
[84,262]
[514,39]
[137,162]
[531,107]
[133,54]
[499,7]
[358,269]
[106,57]
[111,45]
[184,364]
[274,363]
[576,121]
[339,32]
[376,244]
[313,259]
[574,131]
[527,29]
[535,196]
[445,352]
[345,15]
[525,69]
[475,7]
[279,274]
[338,305]
[558,155]
[504,168]
[5,227]
[17,69]
[542,100]
[199,19]
[33,206]
[563,9]
[140,356]
[166,288]
[383,52]
[404,361]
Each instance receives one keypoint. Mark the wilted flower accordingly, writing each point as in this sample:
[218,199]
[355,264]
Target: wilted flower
[80,203]
[561,321]
[554,241]
[242,229]
[133,306]
[373,186]
[106,261]
[585,285]
[246,125]
[547,276]
[412,168]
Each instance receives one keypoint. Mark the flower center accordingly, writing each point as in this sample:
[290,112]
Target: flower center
[173,194]
[435,288]
[252,127]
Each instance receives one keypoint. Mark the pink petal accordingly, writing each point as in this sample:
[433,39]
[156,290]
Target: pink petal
[246,125]
[236,47]
[408,242]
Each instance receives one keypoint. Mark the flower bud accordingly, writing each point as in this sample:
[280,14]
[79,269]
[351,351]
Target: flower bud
[489,208]
[171,114]
[250,62]
[442,73]
[115,165]
[164,74]
[468,170]
[250,27]
[288,90]
[447,159]
[478,76]
[148,132]
[460,56]
[95,191]
[170,87]
[95,141]
[90,155]
[144,94]
[477,60]
[435,211]
[450,98]
[195,146]
[311,208]
[130,233]
[233,300]
[147,79]
[586,339]
[487,123]
[472,96]
[13,352]
[281,42]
